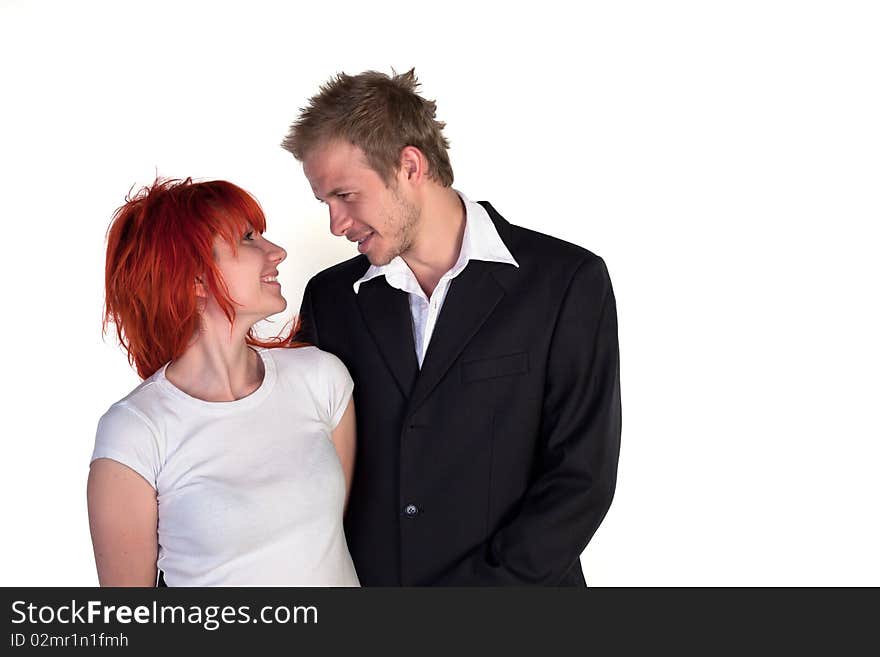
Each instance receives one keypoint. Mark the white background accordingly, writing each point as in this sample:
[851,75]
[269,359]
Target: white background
[722,157]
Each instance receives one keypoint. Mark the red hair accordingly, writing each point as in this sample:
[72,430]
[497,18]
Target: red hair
[158,244]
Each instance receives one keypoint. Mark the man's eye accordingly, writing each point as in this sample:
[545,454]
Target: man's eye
[343,195]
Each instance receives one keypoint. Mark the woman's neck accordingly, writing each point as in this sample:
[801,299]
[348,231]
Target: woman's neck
[218,366]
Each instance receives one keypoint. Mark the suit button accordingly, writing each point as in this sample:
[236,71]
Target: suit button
[411,510]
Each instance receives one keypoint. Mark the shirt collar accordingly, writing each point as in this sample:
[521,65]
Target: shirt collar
[479,242]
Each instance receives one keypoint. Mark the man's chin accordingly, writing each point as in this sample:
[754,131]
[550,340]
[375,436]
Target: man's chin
[380,259]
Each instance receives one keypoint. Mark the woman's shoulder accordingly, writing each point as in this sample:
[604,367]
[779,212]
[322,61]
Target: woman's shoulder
[323,375]
[304,357]
[129,434]
[138,408]
[310,364]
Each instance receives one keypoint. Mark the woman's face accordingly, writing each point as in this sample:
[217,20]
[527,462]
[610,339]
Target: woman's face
[251,275]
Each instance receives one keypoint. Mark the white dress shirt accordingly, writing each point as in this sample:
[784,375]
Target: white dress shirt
[480,242]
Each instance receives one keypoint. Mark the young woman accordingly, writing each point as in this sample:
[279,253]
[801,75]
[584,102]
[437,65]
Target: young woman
[230,464]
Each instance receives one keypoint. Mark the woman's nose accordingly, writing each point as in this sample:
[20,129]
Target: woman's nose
[277,253]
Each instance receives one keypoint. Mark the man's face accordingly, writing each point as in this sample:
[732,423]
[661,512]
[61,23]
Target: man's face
[362,208]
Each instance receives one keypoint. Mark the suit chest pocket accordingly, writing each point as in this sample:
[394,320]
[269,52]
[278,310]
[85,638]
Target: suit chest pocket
[492,368]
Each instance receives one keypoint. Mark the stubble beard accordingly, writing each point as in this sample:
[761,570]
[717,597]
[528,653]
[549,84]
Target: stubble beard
[403,218]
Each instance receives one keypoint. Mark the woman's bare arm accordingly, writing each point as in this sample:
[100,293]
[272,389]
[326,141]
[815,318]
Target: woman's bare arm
[123,517]
[344,441]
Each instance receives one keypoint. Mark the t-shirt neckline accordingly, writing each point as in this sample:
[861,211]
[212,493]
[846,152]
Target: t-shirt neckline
[253,399]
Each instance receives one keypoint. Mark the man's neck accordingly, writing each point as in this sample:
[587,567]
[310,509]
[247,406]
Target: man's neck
[438,243]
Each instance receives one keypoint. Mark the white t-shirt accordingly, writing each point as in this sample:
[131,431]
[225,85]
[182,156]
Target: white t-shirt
[250,492]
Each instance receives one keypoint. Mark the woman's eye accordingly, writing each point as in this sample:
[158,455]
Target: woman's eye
[249,236]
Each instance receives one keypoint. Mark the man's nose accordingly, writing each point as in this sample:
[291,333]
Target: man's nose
[339,221]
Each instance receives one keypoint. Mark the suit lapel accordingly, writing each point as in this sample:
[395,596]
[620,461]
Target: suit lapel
[387,315]
[472,297]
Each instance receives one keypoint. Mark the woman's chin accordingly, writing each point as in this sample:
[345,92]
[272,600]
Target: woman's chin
[280,307]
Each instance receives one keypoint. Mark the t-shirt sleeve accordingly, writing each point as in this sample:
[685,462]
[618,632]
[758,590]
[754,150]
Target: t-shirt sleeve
[339,387]
[125,436]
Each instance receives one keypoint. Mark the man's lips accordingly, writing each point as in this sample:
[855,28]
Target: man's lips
[360,238]
[362,241]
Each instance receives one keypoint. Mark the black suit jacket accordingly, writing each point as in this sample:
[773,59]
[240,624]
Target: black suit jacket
[495,463]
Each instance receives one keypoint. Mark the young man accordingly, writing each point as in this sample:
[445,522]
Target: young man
[484,356]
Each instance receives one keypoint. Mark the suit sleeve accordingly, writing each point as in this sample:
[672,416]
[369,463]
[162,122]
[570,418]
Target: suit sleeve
[307,330]
[580,443]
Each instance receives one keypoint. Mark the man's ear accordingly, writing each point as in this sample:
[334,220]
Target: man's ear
[413,165]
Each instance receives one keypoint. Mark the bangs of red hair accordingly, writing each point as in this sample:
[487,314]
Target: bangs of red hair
[160,242]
